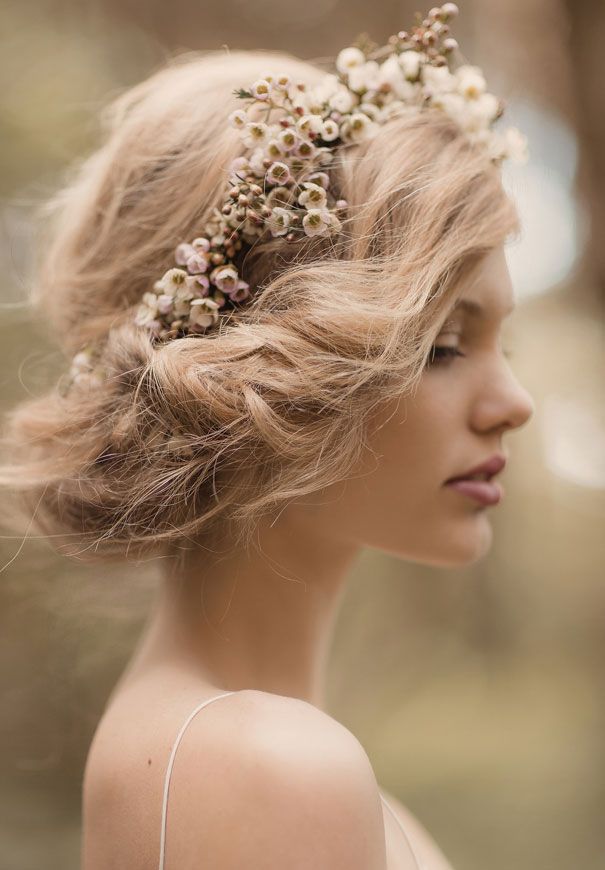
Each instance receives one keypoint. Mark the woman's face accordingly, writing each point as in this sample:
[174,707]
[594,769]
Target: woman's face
[468,399]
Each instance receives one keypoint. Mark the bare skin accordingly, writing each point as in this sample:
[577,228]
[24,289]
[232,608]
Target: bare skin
[262,622]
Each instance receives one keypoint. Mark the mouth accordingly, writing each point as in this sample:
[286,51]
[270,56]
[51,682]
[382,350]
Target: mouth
[478,482]
[487,492]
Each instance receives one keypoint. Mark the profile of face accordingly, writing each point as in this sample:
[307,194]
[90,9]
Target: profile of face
[467,400]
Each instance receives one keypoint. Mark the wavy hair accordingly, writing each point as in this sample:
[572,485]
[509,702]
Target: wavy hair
[197,438]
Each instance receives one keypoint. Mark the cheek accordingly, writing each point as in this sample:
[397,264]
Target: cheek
[396,501]
[412,453]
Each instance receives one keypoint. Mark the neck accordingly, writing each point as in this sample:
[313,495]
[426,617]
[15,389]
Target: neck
[253,620]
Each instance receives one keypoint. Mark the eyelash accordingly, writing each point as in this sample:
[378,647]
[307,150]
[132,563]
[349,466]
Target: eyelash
[448,353]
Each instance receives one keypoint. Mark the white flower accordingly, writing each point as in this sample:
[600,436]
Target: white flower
[313,197]
[316,222]
[359,127]
[203,313]
[322,92]
[305,150]
[238,119]
[256,133]
[391,74]
[279,222]
[225,278]
[342,100]
[261,89]
[278,173]
[196,264]
[470,81]
[201,245]
[240,167]
[242,291]
[517,146]
[438,79]
[321,178]
[197,285]
[182,253]
[484,108]
[279,196]
[309,124]
[281,82]
[146,313]
[256,162]
[410,62]
[330,130]
[287,140]
[171,281]
[165,303]
[453,105]
[365,78]
[348,59]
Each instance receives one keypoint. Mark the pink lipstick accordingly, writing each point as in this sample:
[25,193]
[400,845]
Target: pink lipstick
[477,482]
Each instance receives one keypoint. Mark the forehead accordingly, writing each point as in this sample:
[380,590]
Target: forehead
[487,292]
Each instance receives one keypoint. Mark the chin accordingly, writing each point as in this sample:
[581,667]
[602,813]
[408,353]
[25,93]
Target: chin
[460,545]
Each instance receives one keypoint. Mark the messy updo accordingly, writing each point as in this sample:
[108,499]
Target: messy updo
[196,438]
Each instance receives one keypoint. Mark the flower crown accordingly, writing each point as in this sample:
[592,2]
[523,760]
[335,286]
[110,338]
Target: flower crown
[280,187]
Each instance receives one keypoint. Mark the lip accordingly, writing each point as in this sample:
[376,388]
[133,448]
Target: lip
[484,491]
[492,466]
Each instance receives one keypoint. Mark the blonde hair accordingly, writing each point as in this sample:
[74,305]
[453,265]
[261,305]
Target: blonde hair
[189,439]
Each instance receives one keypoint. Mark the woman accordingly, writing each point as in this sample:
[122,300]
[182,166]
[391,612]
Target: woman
[357,372]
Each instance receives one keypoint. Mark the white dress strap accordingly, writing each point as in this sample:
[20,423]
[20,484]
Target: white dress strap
[418,861]
[169,770]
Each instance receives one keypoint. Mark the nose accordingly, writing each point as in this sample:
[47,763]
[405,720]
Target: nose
[507,404]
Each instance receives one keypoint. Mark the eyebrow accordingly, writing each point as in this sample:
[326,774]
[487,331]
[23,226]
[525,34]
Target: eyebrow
[475,309]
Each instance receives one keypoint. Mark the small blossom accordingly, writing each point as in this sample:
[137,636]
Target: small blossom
[330,130]
[261,89]
[342,101]
[279,221]
[241,292]
[316,221]
[438,79]
[257,133]
[197,264]
[201,245]
[410,62]
[470,81]
[225,278]
[182,253]
[278,173]
[147,310]
[365,78]
[172,280]
[282,82]
[198,284]
[287,140]
[358,127]
[238,119]
[313,196]
[165,303]
[309,124]
[321,178]
[348,59]
[279,196]
[516,144]
[204,313]
[305,150]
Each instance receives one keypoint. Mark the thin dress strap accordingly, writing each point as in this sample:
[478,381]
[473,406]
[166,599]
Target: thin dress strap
[416,858]
[169,772]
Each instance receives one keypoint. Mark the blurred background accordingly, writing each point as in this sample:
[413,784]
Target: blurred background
[478,693]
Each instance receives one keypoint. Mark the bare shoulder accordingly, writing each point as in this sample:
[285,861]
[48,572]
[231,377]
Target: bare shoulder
[268,781]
